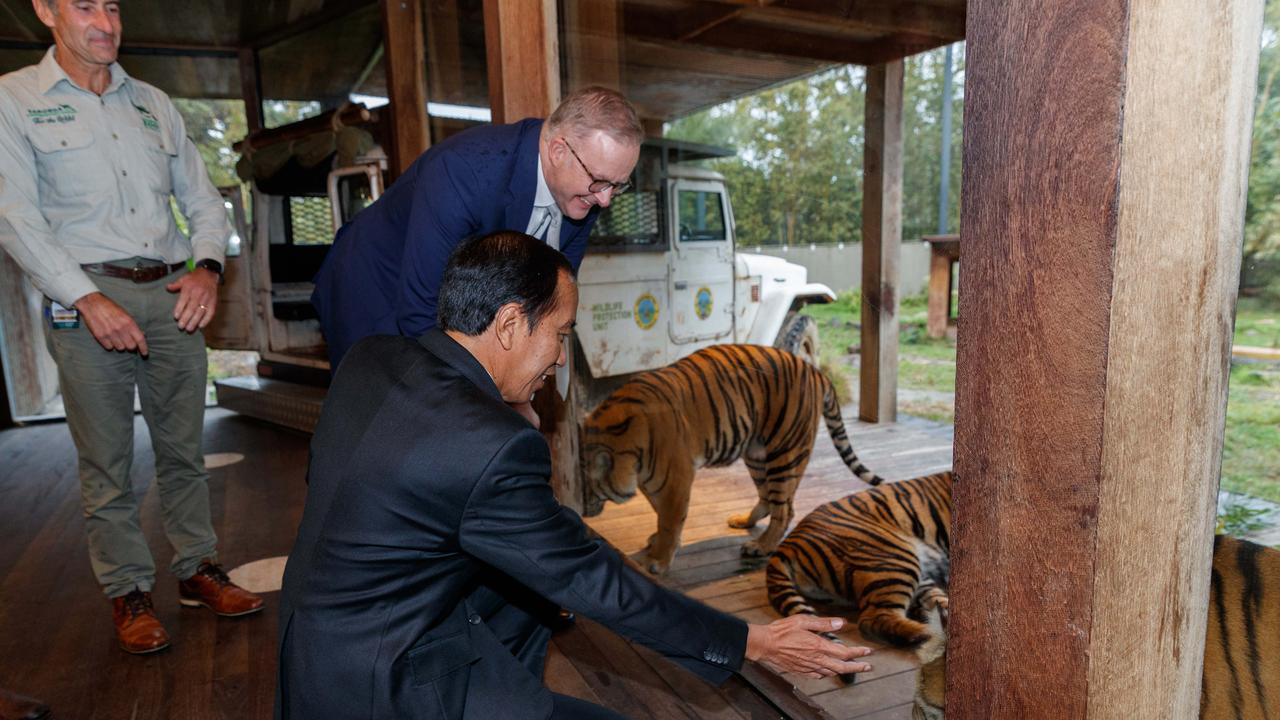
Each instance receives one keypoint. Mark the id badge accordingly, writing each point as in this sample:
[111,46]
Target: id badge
[62,317]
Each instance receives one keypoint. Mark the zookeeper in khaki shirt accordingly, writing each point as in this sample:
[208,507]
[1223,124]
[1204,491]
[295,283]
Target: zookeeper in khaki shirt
[89,158]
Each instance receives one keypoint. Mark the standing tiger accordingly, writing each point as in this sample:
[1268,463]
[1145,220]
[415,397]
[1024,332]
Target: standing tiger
[719,404]
[880,551]
[1241,679]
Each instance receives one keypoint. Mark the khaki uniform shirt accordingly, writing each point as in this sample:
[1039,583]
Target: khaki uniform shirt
[87,178]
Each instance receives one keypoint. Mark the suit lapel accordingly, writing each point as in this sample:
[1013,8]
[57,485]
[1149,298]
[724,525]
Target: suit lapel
[457,357]
[524,179]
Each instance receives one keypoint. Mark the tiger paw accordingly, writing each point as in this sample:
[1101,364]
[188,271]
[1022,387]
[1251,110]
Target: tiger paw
[752,549]
[657,568]
[934,597]
[742,522]
[648,544]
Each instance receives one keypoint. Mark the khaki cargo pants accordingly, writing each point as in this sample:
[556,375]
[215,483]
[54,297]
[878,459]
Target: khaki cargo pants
[98,392]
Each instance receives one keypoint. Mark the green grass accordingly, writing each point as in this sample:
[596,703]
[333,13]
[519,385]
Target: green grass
[1251,454]
[1257,324]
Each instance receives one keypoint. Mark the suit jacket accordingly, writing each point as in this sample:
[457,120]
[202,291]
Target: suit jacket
[383,272]
[421,478]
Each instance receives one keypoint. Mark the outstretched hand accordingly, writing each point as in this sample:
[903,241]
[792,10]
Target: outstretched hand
[793,645]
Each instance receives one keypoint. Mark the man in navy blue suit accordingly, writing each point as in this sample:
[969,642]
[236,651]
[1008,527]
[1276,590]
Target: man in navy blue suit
[425,487]
[548,179]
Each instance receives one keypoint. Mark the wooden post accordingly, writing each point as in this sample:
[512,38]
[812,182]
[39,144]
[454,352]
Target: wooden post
[523,57]
[251,89]
[524,72]
[444,49]
[593,50]
[881,244]
[1102,215]
[944,251]
[406,82]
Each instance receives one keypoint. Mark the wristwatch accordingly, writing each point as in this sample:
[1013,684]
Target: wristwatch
[212,266]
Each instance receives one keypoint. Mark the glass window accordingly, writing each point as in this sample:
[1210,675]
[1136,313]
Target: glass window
[701,216]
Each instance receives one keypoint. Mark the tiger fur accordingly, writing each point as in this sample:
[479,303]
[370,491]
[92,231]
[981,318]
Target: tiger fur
[1241,679]
[713,407]
[879,551]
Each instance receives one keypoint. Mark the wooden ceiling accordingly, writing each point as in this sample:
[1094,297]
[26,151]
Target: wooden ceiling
[676,55]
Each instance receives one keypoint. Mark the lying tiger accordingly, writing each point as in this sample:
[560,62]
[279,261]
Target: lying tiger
[1241,679]
[726,402]
[879,551]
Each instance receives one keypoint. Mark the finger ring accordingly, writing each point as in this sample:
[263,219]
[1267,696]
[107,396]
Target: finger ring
[202,307]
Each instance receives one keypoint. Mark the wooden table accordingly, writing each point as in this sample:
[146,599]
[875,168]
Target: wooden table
[944,250]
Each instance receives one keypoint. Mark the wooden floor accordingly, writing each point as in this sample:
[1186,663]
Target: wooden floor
[56,640]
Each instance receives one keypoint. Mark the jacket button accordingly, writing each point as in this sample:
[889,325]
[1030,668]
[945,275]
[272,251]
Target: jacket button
[474,619]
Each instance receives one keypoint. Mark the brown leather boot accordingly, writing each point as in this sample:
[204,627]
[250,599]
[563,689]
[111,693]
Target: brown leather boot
[137,626]
[211,588]
[20,707]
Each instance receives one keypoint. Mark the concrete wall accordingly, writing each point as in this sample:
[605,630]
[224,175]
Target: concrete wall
[840,266]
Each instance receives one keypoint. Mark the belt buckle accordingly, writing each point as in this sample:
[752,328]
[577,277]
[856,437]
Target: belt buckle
[137,274]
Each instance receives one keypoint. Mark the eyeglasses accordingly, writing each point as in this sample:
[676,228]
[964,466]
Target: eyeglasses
[597,185]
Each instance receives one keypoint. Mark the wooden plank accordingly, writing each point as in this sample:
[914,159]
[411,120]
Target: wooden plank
[444,51]
[405,61]
[523,58]
[251,89]
[1100,274]
[593,44]
[881,243]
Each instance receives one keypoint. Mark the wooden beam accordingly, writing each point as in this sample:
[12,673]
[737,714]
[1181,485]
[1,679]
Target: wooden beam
[814,34]
[135,48]
[523,58]
[737,31]
[653,127]
[593,48]
[251,89]
[405,56]
[1101,235]
[293,27]
[881,243]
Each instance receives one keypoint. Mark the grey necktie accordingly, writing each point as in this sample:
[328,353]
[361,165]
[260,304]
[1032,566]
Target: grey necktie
[544,224]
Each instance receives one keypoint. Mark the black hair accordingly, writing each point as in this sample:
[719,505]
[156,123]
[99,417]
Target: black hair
[486,273]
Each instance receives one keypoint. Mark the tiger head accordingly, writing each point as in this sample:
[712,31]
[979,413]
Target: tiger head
[615,442]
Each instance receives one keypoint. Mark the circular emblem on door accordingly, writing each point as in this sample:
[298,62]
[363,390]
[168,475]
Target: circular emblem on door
[702,303]
[646,313]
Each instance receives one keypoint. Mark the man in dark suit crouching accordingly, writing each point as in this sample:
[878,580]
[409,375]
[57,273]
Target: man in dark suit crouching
[430,527]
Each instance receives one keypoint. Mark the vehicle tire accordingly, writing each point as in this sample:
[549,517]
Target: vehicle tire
[799,335]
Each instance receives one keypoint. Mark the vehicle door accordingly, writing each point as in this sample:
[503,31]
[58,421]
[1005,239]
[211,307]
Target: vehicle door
[701,266]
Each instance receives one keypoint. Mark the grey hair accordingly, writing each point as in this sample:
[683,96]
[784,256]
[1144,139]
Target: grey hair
[597,109]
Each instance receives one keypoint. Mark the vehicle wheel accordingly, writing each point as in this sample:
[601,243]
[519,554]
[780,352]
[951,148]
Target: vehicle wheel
[799,335]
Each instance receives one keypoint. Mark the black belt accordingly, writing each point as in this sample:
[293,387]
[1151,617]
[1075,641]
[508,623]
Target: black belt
[138,273]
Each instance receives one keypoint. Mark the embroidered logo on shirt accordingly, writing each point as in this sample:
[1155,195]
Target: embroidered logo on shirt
[148,119]
[47,116]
